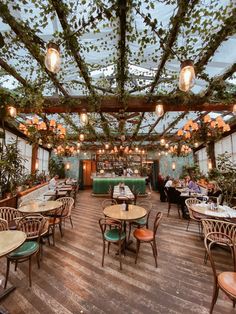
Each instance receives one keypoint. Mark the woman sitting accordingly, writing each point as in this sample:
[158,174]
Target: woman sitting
[194,186]
[214,189]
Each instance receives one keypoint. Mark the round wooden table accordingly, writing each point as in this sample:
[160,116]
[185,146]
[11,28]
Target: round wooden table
[39,207]
[9,241]
[119,212]
[222,211]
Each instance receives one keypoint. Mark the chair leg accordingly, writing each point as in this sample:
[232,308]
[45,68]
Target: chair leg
[154,250]
[234,301]
[120,255]
[137,251]
[108,247]
[103,253]
[38,259]
[60,227]
[169,207]
[30,282]
[7,273]
[71,222]
[205,257]
[130,226]
[16,265]
[214,298]
[188,225]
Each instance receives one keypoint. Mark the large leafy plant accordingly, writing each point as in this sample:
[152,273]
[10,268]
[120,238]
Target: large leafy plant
[11,167]
[225,176]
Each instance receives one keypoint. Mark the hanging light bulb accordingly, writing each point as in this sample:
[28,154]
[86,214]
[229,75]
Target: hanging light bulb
[67,166]
[78,144]
[106,146]
[209,164]
[162,142]
[12,111]
[234,109]
[173,166]
[196,144]
[81,137]
[159,110]
[186,76]
[84,117]
[52,58]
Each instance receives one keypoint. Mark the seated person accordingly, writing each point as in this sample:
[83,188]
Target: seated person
[192,185]
[213,189]
[168,182]
[53,183]
[186,181]
[175,198]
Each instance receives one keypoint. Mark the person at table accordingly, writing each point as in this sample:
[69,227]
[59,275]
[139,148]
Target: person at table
[192,185]
[169,182]
[160,187]
[213,189]
[186,181]
[53,183]
[175,198]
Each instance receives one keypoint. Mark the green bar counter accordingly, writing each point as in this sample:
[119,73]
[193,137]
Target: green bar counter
[101,184]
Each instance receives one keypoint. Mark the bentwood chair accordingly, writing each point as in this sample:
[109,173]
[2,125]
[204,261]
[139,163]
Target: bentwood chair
[226,281]
[145,235]
[171,202]
[11,215]
[112,233]
[193,217]
[67,204]
[32,225]
[108,202]
[218,226]
[141,222]
[3,225]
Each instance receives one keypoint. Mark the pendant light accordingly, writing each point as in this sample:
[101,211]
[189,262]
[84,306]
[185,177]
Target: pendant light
[84,117]
[173,166]
[52,58]
[186,76]
[81,137]
[234,109]
[12,111]
[162,142]
[159,110]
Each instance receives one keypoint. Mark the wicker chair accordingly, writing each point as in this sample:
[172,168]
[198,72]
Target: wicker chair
[11,215]
[148,236]
[142,222]
[226,281]
[33,226]
[108,202]
[193,217]
[112,233]
[3,225]
[218,226]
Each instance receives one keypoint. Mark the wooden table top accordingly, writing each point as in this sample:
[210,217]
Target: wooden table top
[39,207]
[221,212]
[10,240]
[119,212]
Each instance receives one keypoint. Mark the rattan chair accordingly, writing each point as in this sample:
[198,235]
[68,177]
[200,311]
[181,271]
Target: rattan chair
[141,222]
[11,215]
[226,281]
[33,226]
[218,226]
[193,217]
[144,235]
[3,225]
[112,233]
[67,204]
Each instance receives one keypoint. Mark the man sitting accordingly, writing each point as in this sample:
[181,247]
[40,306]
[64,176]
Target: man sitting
[175,198]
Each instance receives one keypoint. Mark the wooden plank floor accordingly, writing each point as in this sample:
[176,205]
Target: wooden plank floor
[71,279]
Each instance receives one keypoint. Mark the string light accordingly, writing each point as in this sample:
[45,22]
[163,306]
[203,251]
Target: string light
[186,76]
[81,137]
[12,111]
[52,58]
[173,166]
[159,110]
[84,117]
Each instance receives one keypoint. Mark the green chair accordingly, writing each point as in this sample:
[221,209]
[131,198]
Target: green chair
[33,226]
[112,233]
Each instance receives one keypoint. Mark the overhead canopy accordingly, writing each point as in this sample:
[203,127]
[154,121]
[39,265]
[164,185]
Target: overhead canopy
[120,57]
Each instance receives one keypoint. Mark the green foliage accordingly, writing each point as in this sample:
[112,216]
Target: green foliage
[225,176]
[192,171]
[56,167]
[11,167]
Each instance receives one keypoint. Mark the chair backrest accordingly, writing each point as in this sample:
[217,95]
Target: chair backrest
[219,226]
[157,221]
[220,239]
[146,204]
[32,225]
[67,204]
[3,225]
[9,213]
[104,223]
[189,202]
[108,202]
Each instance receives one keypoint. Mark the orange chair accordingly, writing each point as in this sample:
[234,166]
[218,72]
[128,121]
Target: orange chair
[226,281]
[148,236]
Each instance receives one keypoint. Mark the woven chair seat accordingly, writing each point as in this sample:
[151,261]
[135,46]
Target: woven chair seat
[26,249]
[140,221]
[113,235]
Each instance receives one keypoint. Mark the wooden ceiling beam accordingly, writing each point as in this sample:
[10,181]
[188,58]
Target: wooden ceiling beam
[134,104]
[13,73]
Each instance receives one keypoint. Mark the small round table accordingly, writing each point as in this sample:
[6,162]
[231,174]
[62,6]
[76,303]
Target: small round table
[9,241]
[39,207]
[118,212]
[222,212]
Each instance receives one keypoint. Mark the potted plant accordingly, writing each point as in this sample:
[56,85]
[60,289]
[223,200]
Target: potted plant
[11,168]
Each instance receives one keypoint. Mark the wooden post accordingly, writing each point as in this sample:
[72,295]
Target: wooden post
[34,158]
